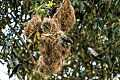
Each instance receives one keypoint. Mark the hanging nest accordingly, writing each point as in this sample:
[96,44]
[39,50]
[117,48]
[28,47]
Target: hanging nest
[50,25]
[53,53]
[54,46]
[32,25]
[66,16]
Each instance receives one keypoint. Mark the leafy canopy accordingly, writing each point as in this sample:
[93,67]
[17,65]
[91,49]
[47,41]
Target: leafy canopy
[97,28]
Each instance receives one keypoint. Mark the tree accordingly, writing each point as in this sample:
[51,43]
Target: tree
[96,38]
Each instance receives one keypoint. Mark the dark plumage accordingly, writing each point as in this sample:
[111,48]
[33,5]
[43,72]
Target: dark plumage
[14,71]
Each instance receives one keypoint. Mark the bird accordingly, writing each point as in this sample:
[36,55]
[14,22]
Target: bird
[15,69]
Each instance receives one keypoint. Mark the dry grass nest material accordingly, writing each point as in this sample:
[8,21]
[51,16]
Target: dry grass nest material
[53,53]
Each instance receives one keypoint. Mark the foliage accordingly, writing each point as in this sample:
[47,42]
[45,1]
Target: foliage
[97,29]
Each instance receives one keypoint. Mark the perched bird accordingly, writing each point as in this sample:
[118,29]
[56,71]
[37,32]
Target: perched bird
[95,55]
[54,44]
[92,52]
[54,9]
[14,71]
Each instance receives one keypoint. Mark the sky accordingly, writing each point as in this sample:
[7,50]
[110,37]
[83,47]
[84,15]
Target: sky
[3,73]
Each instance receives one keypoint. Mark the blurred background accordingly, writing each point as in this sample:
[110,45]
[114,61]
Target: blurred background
[96,39]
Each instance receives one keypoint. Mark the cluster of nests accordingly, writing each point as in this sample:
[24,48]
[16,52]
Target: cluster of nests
[54,50]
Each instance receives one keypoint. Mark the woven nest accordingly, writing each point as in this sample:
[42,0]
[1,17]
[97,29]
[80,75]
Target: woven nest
[32,25]
[52,31]
[66,16]
[53,53]
[51,25]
